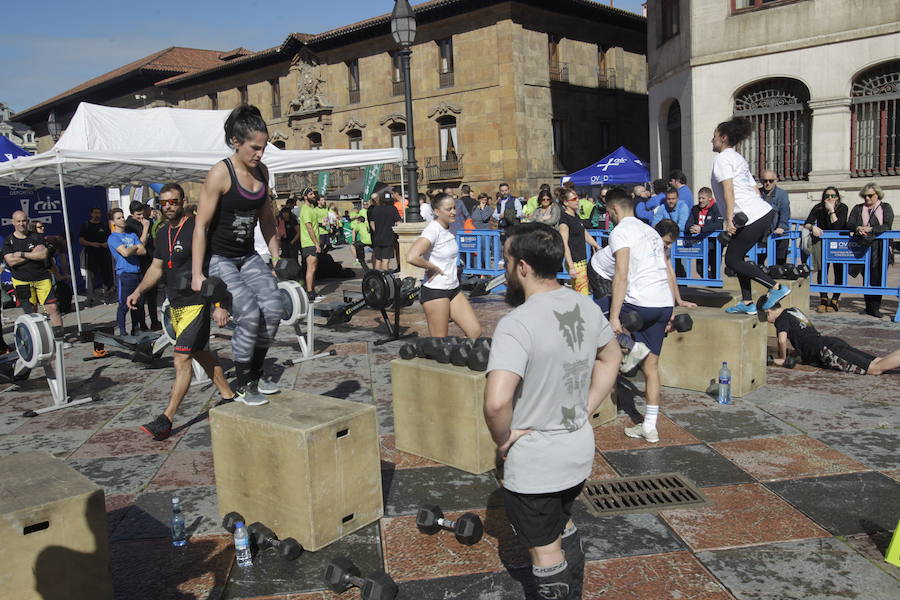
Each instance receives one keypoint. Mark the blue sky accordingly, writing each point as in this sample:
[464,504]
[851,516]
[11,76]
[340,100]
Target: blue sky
[76,41]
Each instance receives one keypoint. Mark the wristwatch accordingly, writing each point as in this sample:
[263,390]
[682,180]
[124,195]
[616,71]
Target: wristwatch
[21,254]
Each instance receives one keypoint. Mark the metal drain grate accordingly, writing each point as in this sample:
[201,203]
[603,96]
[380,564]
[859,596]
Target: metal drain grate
[641,494]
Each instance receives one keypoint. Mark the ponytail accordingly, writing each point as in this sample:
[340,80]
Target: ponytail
[736,130]
[242,122]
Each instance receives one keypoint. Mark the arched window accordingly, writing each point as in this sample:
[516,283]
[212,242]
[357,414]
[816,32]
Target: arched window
[354,138]
[449,140]
[398,137]
[781,119]
[315,140]
[279,144]
[673,131]
[874,127]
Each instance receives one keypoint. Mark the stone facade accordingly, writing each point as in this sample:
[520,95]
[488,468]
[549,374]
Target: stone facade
[823,44]
[18,133]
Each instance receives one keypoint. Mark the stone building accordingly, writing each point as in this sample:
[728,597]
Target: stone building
[818,79]
[18,133]
[504,91]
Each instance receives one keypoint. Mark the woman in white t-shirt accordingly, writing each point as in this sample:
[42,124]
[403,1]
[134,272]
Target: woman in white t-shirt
[733,183]
[438,253]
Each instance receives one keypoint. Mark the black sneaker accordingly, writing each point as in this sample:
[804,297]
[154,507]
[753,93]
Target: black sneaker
[223,401]
[159,428]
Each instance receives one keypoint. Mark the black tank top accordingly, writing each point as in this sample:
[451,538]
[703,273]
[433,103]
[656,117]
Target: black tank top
[232,227]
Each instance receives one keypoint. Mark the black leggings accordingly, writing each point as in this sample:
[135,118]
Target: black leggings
[741,242]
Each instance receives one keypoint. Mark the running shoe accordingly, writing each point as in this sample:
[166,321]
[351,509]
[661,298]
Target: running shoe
[638,432]
[249,395]
[267,386]
[741,309]
[159,428]
[101,353]
[775,295]
[631,360]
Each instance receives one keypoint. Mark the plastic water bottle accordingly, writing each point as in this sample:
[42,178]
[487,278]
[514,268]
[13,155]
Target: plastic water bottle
[178,534]
[724,384]
[242,545]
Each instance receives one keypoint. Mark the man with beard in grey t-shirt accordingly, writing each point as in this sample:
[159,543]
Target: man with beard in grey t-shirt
[553,360]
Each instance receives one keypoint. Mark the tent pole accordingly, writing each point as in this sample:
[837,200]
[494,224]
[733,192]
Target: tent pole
[402,188]
[65,212]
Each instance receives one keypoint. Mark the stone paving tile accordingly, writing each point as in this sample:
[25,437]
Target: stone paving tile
[270,575]
[119,475]
[514,584]
[610,437]
[844,504]
[154,570]
[601,469]
[406,490]
[185,469]
[411,555]
[150,516]
[874,547]
[786,457]
[837,383]
[615,536]
[672,575]
[875,448]
[674,399]
[117,505]
[197,437]
[740,515]
[812,421]
[731,423]
[123,442]
[143,410]
[822,569]
[10,421]
[58,443]
[895,475]
[397,459]
[699,463]
[89,417]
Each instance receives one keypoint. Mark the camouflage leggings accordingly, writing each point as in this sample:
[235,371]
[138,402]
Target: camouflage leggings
[839,355]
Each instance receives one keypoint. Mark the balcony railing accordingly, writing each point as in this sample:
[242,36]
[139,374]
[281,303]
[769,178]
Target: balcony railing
[397,88]
[606,78]
[438,169]
[294,183]
[559,72]
[446,79]
[354,96]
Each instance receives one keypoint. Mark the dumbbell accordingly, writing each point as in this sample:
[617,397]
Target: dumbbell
[789,272]
[468,529]
[459,354]
[682,323]
[739,220]
[631,321]
[479,355]
[802,271]
[442,353]
[341,574]
[212,289]
[230,520]
[789,363]
[408,351]
[262,537]
[287,269]
[775,271]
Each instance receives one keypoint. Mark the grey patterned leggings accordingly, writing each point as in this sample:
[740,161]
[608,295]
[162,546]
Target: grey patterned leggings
[255,302]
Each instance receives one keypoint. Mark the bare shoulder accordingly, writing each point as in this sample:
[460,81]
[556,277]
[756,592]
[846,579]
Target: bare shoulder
[218,178]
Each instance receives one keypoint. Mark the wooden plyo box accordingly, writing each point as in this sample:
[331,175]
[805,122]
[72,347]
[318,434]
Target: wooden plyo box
[692,360]
[53,526]
[439,414]
[306,466]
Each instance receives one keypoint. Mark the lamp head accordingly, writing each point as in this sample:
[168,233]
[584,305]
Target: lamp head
[403,23]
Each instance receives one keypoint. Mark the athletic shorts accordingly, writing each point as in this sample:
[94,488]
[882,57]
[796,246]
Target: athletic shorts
[580,278]
[383,252]
[426,294]
[655,321]
[539,519]
[191,325]
[308,251]
[35,292]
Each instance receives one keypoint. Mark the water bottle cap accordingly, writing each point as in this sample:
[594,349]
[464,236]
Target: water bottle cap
[238,524]
[175,500]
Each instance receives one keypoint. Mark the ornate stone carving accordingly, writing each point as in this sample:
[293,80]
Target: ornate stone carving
[444,109]
[310,85]
[278,136]
[393,119]
[353,123]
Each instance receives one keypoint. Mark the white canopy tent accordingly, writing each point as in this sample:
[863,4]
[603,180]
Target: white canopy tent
[105,146]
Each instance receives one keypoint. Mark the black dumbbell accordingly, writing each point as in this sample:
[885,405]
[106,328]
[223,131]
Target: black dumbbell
[739,220]
[682,323]
[261,537]
[287,269]
[430,347]
[212,289]
[484,340]
[802,271]
[478,356]
[468,529]
[407,351]
[459,355]
[341,574]
[442,353]
[631,321]
[776,272]
[789,363]
[729,272]
[230,520]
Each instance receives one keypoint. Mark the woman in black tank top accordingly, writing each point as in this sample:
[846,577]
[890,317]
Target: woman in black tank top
[232,201]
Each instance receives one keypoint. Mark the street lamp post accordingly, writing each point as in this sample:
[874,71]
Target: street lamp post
[403,28]
[54,127]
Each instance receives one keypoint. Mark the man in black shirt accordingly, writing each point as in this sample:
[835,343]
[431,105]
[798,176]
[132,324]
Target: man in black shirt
[467,198]
[290,242]
[383,217]
[92,237]
[135,224]
[189,314]
[26,256]
[825,351]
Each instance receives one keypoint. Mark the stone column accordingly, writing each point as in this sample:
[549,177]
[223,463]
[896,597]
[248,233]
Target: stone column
[830,139]
[408,233]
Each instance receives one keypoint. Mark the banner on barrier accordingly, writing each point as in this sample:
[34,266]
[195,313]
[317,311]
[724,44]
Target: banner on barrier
[845,251]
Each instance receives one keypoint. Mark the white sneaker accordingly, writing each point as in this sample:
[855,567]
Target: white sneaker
[631,360]
[250,395]
[638,432]
[267,387]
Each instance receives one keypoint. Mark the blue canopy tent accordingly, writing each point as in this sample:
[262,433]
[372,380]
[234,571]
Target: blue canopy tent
[622,166]
[9,151]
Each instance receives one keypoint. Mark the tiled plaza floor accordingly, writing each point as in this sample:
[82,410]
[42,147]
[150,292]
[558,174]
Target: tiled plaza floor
[802,478]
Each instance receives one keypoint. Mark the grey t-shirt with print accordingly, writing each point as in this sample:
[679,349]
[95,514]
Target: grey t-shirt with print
[551,342]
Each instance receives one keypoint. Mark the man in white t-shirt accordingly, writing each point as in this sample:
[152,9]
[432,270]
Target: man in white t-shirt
[644,284]
[552,362]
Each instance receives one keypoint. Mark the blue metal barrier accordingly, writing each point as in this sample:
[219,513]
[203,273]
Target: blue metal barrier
[480,251]
[699,252]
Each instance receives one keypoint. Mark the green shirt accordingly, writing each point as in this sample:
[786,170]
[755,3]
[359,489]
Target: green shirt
[361,232]
[585,208]
[321,219]
[530,206]
[307,215]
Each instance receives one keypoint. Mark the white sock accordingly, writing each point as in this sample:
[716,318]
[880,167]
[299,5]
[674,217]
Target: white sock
[650,418]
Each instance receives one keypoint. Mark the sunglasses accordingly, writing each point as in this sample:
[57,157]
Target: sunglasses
[871,195]
[769,180]
[832,196]
[168,202]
